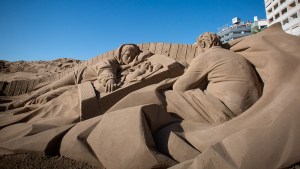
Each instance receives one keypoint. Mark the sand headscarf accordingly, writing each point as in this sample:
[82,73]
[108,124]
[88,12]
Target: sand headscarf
[118,54]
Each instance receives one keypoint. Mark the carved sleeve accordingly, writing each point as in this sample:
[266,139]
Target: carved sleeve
[193,77]
[106,70]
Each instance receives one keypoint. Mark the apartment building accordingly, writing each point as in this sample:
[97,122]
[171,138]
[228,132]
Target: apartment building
[285,11]
[240,29]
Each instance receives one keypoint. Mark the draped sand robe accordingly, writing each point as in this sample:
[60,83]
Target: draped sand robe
[98,74]
[139,133]
[60,101]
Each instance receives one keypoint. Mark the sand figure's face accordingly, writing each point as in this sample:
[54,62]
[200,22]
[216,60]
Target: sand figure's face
[128,54]
[127,57]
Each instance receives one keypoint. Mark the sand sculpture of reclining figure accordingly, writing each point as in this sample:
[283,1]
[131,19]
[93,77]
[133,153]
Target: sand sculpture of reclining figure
[99,86]
[106,76]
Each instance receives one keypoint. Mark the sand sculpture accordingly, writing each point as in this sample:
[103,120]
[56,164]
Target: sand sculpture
[218,85]
[106,76]
[178,122]
[125,71]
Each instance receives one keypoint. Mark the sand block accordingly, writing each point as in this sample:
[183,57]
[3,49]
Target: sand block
[30,85]
[9,89]
[74,144]
[88,101]
[17,88]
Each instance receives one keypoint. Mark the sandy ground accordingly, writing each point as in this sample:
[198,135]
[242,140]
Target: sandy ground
[33,161]
[34,69]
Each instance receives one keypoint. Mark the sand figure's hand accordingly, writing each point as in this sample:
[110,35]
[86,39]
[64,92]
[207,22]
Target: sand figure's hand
[145,65]
[110,85]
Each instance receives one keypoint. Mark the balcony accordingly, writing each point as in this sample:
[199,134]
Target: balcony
[278,8]
[294,21]
[234,36]
[285,21]
[234,30]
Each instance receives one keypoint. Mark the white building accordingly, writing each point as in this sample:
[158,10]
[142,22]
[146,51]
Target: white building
[240,29]
[261,23]
[285,11]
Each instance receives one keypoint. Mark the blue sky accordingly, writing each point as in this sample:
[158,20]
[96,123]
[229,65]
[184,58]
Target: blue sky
[82,29]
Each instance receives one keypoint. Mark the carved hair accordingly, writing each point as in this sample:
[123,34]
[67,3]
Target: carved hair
[125,47]
[208,39]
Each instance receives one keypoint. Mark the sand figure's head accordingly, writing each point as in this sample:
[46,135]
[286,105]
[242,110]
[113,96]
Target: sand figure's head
[208,40]
[127,52]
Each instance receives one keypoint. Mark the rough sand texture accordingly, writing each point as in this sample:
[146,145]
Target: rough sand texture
[33,161]
[34,69]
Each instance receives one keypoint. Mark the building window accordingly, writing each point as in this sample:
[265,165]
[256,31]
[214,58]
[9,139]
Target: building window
[283,11]
[270,20]
[270,10]
[282,1]
[294,16]
[277,16]
[275,6]
[285,21]
[292,5]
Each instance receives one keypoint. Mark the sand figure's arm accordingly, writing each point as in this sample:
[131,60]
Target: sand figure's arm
[107,75]
[193,77]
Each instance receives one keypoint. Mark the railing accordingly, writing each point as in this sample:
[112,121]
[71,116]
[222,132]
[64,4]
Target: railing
[234,36]
[234,29]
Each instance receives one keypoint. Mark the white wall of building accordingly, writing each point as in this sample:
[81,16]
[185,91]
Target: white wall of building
[285,11]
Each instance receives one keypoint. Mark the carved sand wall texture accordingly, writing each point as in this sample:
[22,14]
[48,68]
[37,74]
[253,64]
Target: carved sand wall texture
[183,53]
